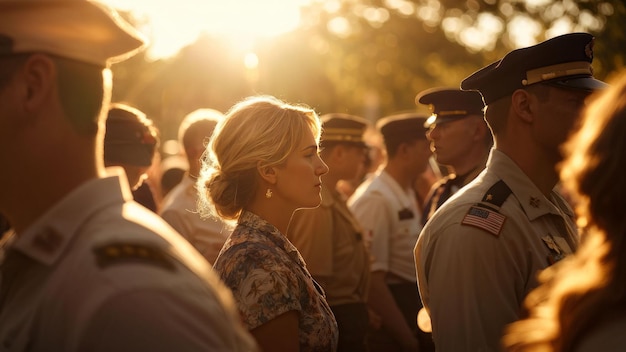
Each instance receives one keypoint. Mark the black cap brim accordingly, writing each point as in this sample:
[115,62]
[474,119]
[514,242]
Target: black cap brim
[584,83]
[438,120]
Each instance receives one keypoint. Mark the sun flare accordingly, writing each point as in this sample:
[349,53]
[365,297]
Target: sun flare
[172,24]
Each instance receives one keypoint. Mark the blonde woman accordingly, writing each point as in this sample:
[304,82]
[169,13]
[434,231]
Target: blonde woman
[261,165]
[581,305]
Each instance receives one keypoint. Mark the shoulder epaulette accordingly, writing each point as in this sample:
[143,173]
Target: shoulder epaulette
[485,215]
[126,253]
[497,194]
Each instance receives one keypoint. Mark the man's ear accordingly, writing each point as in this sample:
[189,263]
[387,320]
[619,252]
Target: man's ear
[522,103]
[40,76]
[402,148]
[267,173]
[479,129]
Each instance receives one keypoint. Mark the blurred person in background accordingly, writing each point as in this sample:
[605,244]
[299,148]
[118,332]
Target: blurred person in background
[262,164]
[330,239]
[130,141]
[179,207]
[386,208]
[459,139]
[173,170]
[373,159]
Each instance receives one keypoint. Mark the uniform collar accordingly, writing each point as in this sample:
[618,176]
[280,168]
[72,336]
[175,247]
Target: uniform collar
[47,238]
[405,196]
[534,203]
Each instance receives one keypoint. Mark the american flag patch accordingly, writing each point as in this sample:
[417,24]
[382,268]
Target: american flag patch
[486,219]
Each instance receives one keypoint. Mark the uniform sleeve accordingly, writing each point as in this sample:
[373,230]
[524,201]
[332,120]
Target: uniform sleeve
[374,216]
[472,282]
[149,320]
[177,221]
[311,231]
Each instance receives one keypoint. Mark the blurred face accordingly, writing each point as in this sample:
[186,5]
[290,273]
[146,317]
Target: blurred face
[556,116]
[450,141]
[350,163]
[418,154]
[298,181]
[16,132]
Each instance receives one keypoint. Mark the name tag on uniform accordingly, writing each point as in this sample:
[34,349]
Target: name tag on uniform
[405,214]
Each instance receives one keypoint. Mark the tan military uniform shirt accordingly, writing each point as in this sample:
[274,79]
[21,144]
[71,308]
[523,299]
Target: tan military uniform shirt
[330,240]
[475,266]
[99,272]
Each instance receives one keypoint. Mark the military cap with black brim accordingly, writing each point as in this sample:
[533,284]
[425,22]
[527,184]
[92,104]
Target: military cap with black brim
[403,127]
[563,61]
[450,104]
[343,128]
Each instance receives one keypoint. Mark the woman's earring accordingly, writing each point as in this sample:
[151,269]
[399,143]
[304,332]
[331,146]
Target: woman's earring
[268,193]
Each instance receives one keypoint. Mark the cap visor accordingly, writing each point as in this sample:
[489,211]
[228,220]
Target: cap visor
[438,120]
[585,83]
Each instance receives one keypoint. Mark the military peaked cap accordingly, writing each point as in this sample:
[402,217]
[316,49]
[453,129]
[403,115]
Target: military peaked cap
[564,61]
[403,127]
[338,127]
[448,104]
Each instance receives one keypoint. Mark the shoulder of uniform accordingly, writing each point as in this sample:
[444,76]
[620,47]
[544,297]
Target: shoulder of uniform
[486,214]
[120,253]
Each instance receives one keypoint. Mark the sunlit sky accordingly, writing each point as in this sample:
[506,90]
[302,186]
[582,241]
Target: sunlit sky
[172,24]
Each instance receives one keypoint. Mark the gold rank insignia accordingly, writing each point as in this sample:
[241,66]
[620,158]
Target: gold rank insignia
[535,202]
[132,253]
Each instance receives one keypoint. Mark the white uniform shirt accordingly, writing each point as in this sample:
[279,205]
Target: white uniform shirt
[473,281]
[180,211]
[391,223]
[102,273]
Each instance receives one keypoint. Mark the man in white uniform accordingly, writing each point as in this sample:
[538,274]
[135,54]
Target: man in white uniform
[87,268]
[386,208]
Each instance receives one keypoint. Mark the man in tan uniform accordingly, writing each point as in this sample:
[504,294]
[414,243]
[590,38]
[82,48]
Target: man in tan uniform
[330,239]
[478,256]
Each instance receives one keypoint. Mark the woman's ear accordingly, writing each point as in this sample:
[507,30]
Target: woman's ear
[267,173]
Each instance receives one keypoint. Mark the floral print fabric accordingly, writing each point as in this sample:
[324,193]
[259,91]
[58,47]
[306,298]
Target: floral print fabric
[268,278]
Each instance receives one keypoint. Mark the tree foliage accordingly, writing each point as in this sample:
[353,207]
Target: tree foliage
[366,57]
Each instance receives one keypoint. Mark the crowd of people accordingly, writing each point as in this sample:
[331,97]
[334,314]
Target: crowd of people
[279,230]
